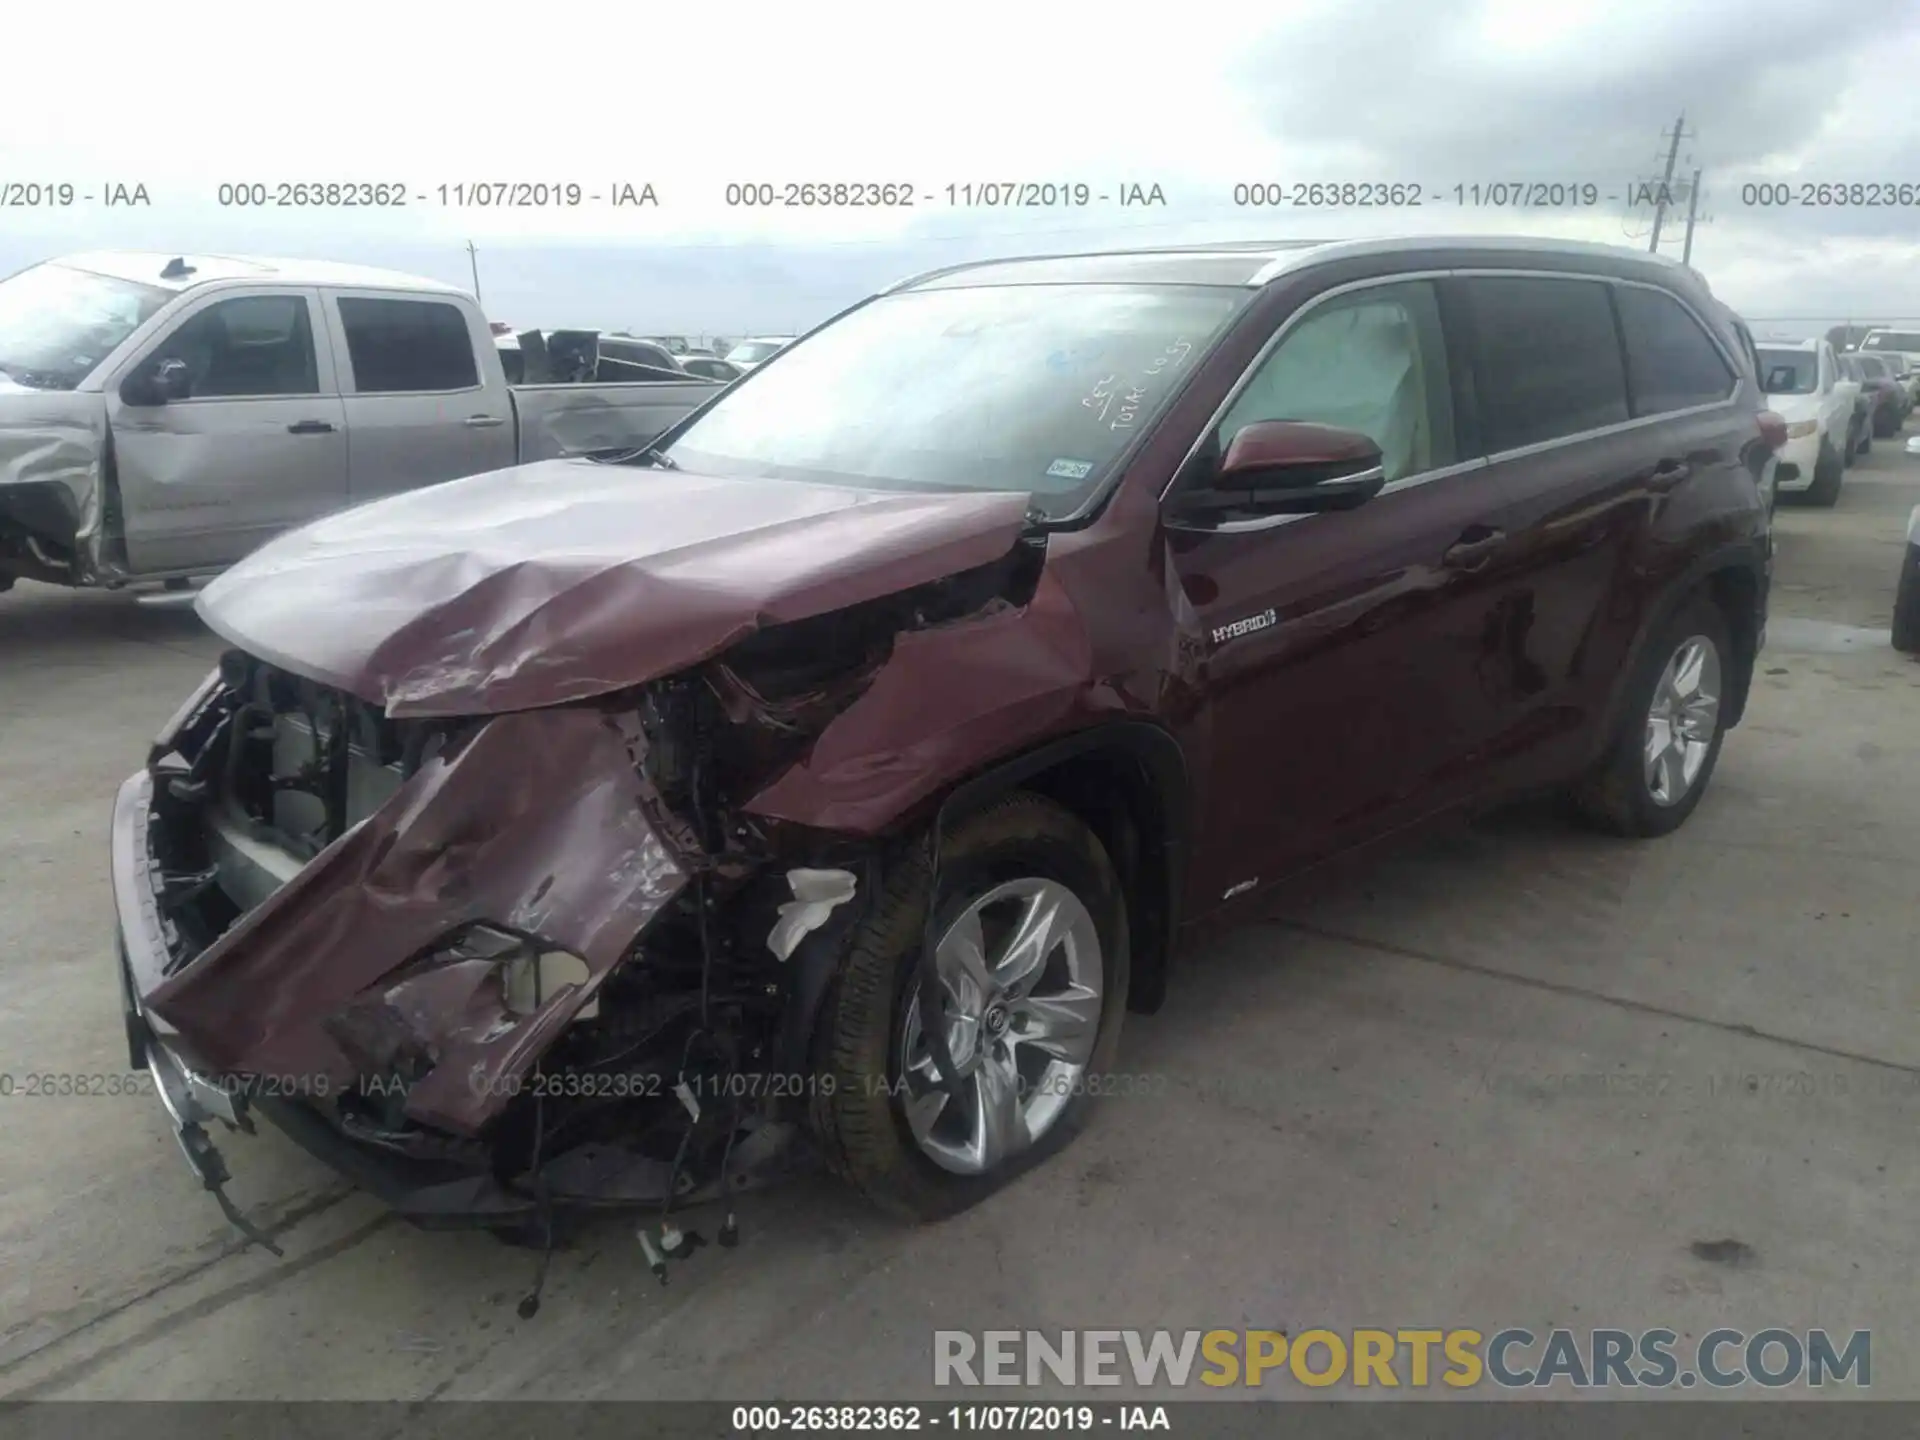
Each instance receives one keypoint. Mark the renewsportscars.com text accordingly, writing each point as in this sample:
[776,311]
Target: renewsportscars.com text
[1405,1359]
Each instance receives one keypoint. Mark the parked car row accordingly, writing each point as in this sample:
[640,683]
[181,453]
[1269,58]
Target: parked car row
[1835,405]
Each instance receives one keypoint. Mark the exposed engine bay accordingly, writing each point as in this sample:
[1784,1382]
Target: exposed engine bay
[504,968]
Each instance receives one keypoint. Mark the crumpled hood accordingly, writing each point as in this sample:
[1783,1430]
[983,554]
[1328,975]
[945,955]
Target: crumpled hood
[568,579]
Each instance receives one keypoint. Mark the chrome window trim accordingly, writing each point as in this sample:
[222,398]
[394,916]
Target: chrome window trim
[1492,457]
[1407,482]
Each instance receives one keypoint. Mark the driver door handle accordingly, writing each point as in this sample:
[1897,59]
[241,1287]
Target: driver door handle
[482,422]
[1474,547]
[310,427]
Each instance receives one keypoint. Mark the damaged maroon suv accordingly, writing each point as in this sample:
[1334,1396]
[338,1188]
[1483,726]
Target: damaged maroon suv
[828,780]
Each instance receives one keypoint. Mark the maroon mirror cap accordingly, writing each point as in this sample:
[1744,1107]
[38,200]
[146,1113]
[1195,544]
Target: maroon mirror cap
[1773,429]
[1272,444]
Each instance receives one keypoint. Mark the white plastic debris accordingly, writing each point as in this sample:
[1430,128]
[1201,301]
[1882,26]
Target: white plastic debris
[816,893]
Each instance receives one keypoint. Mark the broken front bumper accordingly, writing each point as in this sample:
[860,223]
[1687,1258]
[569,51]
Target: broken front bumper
[216,1033]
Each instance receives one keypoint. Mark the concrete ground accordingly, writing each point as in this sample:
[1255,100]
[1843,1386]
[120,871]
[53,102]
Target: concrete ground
[1374,1109]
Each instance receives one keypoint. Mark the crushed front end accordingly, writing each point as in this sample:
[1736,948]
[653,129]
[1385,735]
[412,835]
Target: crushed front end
[488,969]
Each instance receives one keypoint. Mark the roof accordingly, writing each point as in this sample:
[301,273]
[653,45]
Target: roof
[1786,342]
[147,268]
[1256,262]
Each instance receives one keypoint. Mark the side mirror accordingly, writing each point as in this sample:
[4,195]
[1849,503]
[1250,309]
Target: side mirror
[159,384]
[1286,467]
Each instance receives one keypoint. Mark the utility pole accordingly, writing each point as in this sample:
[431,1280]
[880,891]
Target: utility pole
[1693,209]
[473,261]
[1666,183]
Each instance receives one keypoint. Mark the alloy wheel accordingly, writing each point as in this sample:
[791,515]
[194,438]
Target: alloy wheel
[1682,720]
[1021,988]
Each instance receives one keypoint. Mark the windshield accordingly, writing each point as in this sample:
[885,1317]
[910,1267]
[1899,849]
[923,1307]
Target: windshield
[1024,388]
[752,352]
[57,323]
[1789,372]
[1892,340]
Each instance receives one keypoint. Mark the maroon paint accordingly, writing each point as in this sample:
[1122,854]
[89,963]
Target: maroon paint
[537,822]
[567,579]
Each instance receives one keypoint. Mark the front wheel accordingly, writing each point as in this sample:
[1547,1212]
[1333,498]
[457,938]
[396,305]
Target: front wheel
[1031,954]
[1828,471]
[1668,742]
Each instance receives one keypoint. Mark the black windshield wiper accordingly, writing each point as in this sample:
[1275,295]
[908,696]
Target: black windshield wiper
[654,455]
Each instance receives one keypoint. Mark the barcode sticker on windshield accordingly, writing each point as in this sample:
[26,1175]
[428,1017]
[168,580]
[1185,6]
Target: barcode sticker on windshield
[1070,469]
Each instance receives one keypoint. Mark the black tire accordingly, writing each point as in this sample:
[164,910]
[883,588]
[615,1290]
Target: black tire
[1906,604]
[1866,441]
[1828,471]
[861,1123]
[1853,448]
[1616,796]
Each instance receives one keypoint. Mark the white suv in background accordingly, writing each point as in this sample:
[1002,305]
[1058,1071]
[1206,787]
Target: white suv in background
[1804,387]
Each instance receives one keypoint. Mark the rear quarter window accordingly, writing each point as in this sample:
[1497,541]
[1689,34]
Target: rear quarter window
[1672,364]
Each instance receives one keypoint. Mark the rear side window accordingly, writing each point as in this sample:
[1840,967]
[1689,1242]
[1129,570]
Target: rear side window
[1671,363]
[406,345]
[1548,359]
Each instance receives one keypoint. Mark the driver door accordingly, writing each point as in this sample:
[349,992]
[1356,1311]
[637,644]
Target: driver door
[1353,658]
[258,445]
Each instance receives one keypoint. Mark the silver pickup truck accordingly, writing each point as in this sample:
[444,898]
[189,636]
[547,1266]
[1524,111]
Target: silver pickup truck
[160,417]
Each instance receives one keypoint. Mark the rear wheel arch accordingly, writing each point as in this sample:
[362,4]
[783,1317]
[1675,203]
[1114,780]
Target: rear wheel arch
[1734,579]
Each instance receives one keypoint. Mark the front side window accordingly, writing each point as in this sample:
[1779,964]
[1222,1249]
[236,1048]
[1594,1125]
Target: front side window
[1548,359]
[1035,389]
[248,347]
[403,346]
[57,323]
[1373,361]
[1671,362]
[1789,372]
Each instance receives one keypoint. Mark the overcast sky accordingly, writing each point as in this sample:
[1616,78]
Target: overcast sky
[186,96]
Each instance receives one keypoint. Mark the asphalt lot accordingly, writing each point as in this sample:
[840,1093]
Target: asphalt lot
[1366,1117]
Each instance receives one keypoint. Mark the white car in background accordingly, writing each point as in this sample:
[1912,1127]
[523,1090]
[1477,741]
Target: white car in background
[758,350]
[1804,387]
[1902,346]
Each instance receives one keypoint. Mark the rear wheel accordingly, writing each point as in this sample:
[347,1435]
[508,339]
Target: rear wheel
[1031,954]
[1906,604]
[1827,474]
[1668,742]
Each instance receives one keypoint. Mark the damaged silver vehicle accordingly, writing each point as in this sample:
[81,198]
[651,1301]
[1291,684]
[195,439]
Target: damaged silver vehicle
[162,416]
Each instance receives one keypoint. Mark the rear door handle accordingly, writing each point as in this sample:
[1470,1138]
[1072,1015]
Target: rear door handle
[483,422]
[310,427]
[1667,474]
[1474,547]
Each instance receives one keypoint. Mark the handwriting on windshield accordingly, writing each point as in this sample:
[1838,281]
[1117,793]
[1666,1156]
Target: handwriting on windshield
[1119,406]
